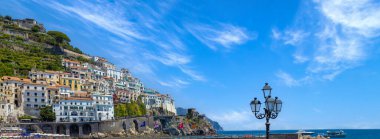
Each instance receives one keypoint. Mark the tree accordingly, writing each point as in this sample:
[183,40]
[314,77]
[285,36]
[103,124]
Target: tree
[59,36]
[141,106]
[47,113]
[8,17]
[36,28]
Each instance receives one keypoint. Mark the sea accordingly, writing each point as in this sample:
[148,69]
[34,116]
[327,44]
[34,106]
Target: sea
[350,133]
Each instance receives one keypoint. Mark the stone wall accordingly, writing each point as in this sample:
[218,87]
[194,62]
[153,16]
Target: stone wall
[123,125]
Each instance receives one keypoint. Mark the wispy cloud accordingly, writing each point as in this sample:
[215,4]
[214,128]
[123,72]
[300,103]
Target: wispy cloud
[220,35]
[177,83]
[287,79]
[339,36]
[290,81]
[193,74]
[289,37]
[237,120]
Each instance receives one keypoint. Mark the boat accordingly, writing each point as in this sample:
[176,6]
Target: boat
[303,132]
[335,134]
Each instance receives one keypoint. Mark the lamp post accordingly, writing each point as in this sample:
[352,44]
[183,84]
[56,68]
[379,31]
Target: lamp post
[271,110]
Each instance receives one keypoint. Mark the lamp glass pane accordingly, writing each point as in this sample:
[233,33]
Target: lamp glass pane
[278,106]
[255,105]
[270,104]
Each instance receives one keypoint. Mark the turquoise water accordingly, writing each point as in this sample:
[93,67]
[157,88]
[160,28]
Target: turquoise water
[350,133]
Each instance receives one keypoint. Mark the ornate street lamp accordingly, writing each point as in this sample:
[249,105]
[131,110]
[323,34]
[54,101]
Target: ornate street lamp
[271,110]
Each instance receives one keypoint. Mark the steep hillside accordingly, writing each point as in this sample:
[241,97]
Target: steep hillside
[24,44]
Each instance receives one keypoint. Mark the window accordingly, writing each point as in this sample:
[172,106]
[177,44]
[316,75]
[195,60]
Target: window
[42,100]
[27,93]
[43,94]
[35,106]
[28,99]
[28,105]
[35,88]
[35,94]
[35,100]
[43,88]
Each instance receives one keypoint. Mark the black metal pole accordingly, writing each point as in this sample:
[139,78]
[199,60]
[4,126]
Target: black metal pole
[267,129]
[267,124]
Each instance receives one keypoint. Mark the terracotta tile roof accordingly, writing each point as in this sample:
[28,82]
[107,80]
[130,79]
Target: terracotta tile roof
[79,98]
[72,61]
[11,78]
[52,87]
[79,95]
[52,72]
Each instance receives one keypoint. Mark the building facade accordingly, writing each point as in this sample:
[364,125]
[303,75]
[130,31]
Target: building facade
[34,96]
[76,108]
[103,106]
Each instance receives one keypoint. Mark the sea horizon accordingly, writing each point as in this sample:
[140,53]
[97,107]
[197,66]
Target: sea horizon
[310,129]
[350,133]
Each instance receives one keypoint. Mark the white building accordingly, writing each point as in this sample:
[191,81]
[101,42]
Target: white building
[115,74]
[152,101]
[34,96]
[103,106]
[76,108]
[168,104]
[6,109]
[67,63]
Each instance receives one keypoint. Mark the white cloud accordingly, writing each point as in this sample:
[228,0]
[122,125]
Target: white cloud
[222,35]
[237,120]
[177,83]
[287,79]
[298,58]
[276,34]
[361,15]
[290,81]
[170,59]
[193,74]
[289,37]
[340,33]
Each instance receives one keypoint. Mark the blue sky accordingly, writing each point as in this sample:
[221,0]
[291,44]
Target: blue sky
[320,57]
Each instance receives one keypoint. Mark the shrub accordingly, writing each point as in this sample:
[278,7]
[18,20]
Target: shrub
[25,117]
[36,28]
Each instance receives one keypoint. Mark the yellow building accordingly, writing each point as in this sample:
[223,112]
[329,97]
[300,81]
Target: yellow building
[74,83]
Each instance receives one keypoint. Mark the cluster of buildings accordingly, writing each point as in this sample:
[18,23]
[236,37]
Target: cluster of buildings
[85,91]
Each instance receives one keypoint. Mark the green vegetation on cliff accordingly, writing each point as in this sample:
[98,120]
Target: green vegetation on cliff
[22,49]
[130,109]
[17,57]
